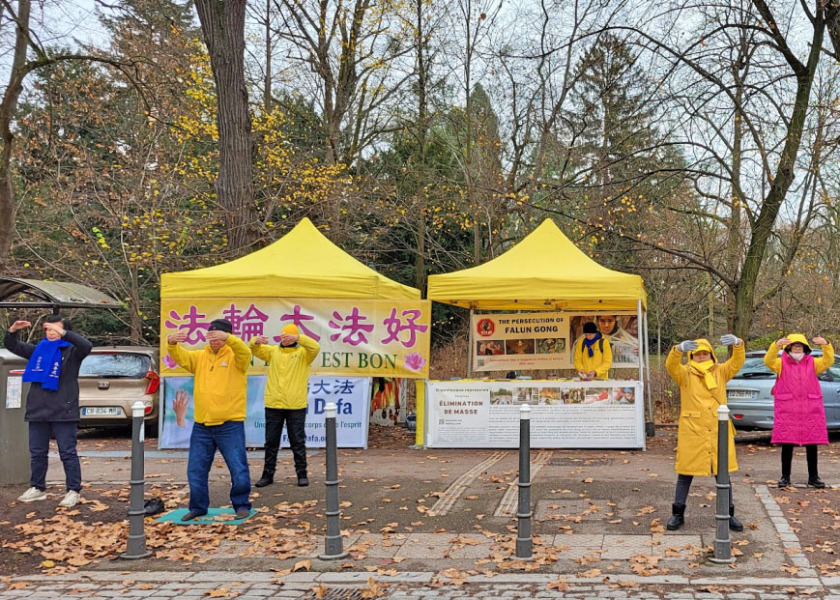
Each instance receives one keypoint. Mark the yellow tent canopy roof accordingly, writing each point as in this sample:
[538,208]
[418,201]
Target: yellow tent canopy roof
[301,264]
[545,271]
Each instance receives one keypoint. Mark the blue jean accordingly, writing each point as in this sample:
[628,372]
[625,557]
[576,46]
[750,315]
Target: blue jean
[39,451]
[229,438]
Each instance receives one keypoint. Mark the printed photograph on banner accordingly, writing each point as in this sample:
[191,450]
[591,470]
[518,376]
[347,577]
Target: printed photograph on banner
[596,396]
[490,347]
[519,346]
[551,345]
[621,329]
[501,396]
[623,395]
[386,405]
[550,396]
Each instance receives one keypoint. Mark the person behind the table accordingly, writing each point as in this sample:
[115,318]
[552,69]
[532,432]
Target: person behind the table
[593,355]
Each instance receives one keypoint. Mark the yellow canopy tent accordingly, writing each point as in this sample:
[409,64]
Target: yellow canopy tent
[545,271]
[301,264]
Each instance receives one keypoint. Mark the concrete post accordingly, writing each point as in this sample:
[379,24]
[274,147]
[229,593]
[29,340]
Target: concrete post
[333,545]
[524,543]
[723,543]
[136,509]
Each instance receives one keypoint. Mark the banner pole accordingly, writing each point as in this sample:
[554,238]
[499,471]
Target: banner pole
[470,343]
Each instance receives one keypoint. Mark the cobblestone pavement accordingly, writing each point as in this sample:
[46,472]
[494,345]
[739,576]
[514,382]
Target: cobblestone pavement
[404,586]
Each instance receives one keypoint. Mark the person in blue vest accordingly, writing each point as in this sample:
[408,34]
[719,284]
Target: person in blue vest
[52,404]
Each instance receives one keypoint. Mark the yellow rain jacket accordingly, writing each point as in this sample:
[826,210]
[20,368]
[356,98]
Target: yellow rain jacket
[698,426]
[221,383]
[288,372]
[598,362]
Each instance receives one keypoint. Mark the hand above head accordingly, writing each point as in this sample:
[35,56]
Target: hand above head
[57,327]
[820,341]
[687,346]
[180,406]
[18,325]
[177,337]
[217,335]
[289,339]
[781,343]
[260,340]
[729,339]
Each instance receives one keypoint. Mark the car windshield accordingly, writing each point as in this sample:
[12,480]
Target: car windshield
[754,367]
[127,365]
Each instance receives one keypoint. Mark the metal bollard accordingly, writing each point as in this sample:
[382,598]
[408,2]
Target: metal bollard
[136,510]
[723,543]
[333,546]
[524,543]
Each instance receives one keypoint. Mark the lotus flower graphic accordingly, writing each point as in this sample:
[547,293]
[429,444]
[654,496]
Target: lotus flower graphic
[169,362]
[414,361]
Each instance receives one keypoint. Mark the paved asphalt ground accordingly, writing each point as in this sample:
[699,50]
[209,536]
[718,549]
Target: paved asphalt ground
[435,524]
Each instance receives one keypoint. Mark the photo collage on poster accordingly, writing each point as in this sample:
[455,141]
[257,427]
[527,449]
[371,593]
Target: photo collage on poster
[548,340]
[549,396]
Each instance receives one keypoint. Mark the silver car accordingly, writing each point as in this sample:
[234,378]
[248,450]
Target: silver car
[751,404]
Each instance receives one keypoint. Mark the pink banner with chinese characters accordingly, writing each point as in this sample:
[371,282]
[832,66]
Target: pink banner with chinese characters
[378,338]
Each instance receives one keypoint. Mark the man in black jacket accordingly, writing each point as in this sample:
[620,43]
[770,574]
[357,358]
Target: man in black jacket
[52,404]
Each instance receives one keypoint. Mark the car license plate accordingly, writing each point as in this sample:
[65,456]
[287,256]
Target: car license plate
[102,411]
[739,394]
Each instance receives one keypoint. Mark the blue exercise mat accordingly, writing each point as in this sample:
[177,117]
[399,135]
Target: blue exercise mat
[214,516]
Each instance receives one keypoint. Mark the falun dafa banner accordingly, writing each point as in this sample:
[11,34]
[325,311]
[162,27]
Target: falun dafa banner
[371,338]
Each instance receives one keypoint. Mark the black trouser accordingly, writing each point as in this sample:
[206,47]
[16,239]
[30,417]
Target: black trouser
[810,455]
[295,420]
[684,485]
[39,450]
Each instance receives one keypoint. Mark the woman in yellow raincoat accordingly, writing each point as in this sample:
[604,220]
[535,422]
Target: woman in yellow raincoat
[702,390]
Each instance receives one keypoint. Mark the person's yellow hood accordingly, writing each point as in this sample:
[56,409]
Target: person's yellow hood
[703,344]
[798,337]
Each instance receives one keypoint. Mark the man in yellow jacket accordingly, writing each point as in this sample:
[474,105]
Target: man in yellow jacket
[220,388]
[702,390]
[593,355]
[285,397]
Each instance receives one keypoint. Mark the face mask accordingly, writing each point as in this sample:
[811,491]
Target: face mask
[797,356]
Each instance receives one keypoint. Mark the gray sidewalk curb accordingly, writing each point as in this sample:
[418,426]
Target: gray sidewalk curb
[419,577]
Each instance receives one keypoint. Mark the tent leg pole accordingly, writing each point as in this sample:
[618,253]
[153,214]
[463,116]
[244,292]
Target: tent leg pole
[420,407]
[650,427]
[470,347]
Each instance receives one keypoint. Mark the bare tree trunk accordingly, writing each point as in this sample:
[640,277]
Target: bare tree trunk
[7,113]
[267,90]
[223,25]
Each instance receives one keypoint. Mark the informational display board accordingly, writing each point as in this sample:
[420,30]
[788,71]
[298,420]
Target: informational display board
[565,414]
[547,340]
[14,387]
[350,394]
[378,338]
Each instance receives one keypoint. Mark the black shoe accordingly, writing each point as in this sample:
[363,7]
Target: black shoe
[784,481]
[303,481]
[192,515]
[677,519]
[243,513]
[264,481]
[734,523]
[816,482]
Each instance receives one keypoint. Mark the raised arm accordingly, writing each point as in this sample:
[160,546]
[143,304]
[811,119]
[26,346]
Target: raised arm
[730,368]
[673,364]
[186,359]
[772,359]
[310,346]
[12,342]
[81,344]
[827,358]
[241,352]
[260,348]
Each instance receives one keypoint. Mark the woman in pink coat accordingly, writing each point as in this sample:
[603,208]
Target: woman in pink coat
[798,411]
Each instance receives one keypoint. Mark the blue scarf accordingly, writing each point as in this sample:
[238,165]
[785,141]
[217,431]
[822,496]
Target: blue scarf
[590,343]
[44,365]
